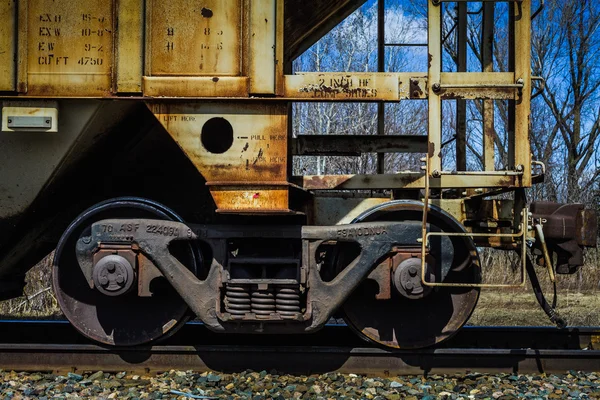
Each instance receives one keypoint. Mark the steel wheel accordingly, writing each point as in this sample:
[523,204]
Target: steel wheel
[408,323]
[123,320]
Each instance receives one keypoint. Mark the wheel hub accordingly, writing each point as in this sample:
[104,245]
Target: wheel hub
[407,279]
[113,275]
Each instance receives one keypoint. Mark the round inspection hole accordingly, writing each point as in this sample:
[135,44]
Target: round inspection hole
[217,135]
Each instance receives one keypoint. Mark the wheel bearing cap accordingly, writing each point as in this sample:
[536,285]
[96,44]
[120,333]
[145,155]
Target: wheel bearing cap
[113,275]
[407,279]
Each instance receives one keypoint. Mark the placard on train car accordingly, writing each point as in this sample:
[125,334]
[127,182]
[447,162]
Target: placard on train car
[180,48]
[69,47]
[210,49]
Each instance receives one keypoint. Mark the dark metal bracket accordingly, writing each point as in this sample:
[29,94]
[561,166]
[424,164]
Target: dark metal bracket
[153,237]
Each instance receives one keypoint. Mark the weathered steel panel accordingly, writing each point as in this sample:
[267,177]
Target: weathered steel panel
[263,24]
[196,86]
[256,199]
[192,39]
[478,85]
[434,121]
[350,145]
[401,181]
[69,47]
[7,45]
[130,46]
[238,146]
[355,86]
[522,151]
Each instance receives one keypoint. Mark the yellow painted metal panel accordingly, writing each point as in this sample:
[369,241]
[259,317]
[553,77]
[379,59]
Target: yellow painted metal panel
[523,72]
[342,85]
[192,39]
[197,86]
[434,125]
[130,45]
[69,47]
[7,45]
[258,148]
[263,26]
[240,149]
[251,199]
[402,181]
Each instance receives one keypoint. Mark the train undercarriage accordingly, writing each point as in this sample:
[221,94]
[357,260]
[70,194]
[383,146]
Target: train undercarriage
[160,169]
[138,267]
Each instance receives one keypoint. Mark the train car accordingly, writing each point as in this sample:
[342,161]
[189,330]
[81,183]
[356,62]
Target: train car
[150,144]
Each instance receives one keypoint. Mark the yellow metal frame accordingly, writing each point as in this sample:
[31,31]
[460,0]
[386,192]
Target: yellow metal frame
[519,146]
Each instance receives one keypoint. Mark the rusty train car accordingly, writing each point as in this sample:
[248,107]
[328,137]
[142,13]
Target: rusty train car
[150,144]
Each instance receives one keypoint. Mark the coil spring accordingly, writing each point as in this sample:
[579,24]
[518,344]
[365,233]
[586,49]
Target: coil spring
[237,300]
[288,302]
[263,303]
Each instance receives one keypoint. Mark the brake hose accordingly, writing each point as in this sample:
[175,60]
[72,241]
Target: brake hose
[550,310]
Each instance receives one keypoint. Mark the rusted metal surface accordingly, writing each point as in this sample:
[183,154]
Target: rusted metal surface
[246,197]
[488,216]
[487,54]
[413,87]
[188,39]
[234,146]
[203,296]
[8,16]
[522,50]
[413,180]
[69,47]
[434,120]
[129,63]
[567,228]
[263,45]
[478,85]
[357,145]
[185,86]
[355,86]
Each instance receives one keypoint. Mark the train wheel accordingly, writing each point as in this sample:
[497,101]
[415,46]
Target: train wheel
[414,315]
[117,315]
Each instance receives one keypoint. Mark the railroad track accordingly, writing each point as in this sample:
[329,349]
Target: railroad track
[55,346]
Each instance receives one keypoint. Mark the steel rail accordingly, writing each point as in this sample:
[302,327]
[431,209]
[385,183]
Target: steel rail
[294,360]
[335,349]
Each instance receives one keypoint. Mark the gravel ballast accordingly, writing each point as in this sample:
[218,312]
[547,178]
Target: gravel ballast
[264,385]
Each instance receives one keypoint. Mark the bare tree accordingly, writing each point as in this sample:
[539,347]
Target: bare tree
[566,46]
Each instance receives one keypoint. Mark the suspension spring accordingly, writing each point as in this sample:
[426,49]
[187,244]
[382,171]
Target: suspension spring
[288,302]
[237,300]
[263,303]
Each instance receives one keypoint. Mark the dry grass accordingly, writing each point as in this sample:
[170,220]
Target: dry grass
[520,308]
[38,300]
